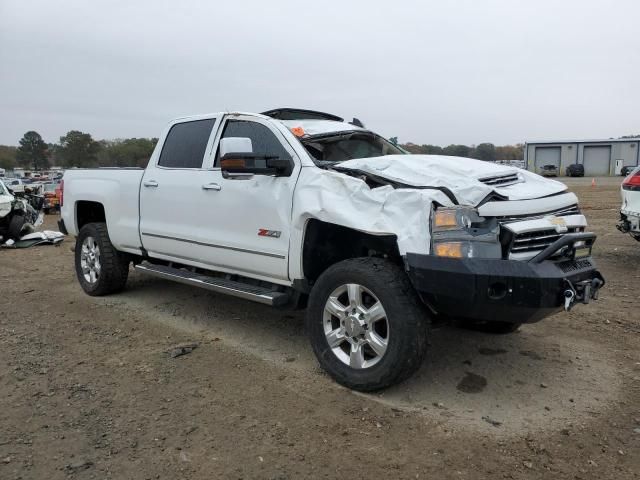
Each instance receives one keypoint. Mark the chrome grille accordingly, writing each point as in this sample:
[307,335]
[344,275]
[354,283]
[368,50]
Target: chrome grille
[501,180]
[536,240]
[571,210]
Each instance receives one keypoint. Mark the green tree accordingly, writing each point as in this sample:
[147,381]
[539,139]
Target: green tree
[422,149]
[130,152]
[7,157]
[485,151]
[78,149]
[510,152]
[457,150]
[32,152]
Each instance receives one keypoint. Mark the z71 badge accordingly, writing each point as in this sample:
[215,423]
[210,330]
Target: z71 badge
[263,232]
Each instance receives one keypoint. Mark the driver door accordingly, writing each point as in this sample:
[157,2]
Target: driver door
[248,218]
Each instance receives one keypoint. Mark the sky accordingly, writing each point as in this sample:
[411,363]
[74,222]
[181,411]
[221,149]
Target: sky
[437,72]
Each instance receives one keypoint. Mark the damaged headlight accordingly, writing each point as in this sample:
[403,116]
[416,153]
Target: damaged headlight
[459,232]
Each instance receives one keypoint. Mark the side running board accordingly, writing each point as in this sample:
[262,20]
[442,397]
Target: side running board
[218,285]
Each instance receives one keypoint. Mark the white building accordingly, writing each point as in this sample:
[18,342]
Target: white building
[599,157]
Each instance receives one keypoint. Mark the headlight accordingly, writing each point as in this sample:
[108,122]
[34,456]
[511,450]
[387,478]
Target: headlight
[453,218]
[459,232]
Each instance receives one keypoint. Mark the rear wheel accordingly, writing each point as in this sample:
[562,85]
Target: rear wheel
[366,325]
[100,268]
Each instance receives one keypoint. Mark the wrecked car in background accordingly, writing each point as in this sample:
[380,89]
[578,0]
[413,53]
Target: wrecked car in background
[630,210]
[300,208]
[20,213]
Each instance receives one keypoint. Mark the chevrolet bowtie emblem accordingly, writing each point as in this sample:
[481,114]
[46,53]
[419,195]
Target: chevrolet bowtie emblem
[559,223]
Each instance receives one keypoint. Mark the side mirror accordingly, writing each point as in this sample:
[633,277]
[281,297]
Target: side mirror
[235,145]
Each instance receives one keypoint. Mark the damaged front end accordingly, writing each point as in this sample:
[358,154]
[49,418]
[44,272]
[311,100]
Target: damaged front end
[20,214]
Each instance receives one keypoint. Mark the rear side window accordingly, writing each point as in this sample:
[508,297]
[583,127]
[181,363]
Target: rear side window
[185,144]
[263,141]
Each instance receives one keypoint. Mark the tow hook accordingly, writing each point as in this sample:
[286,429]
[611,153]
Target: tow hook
[582,291]
[569,296]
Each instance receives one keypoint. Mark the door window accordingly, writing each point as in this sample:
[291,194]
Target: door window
[186,144]
[263,141]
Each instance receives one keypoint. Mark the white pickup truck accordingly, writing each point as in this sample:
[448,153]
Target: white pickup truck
[296,208]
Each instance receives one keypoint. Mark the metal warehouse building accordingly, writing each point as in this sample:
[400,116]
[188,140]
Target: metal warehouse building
[599,157]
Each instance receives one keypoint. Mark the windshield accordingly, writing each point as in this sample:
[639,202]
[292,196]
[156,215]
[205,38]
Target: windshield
[3,189]
[349,145]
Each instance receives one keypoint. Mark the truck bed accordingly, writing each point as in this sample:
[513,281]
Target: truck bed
[117,190]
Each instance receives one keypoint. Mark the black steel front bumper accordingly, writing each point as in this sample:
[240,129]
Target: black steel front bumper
[508,290]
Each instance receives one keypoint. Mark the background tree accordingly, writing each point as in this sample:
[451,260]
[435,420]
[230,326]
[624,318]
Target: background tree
[32,152]
[130,152]
[422,149]
[457,150]
[7,157]
[485,151]
[78,149]
[510,152]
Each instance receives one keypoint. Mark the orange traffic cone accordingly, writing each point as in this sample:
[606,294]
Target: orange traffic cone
[593,183]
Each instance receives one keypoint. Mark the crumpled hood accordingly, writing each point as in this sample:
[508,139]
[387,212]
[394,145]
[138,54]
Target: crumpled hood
[459,175]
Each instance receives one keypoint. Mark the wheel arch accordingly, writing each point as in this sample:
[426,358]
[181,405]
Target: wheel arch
[325,244]
[88,211]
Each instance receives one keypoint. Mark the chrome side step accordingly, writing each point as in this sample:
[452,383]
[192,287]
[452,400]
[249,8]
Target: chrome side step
[218,285]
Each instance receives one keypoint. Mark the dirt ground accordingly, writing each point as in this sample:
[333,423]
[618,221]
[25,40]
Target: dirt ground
[88,390]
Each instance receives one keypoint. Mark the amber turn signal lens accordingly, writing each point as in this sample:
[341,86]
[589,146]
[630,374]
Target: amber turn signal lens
[445,219]
[232,163]
[449,249]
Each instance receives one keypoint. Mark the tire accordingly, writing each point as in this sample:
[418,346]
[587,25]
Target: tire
[16,224]
[46,211]
[403,330]
[110,268]
[491,326]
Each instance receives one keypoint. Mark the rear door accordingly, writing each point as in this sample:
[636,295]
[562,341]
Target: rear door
[171,214]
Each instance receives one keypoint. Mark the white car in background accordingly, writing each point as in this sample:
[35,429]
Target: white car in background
[14,184]
[630,210]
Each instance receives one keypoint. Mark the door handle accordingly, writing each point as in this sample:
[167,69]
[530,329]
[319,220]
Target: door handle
[150,183]
[211,186]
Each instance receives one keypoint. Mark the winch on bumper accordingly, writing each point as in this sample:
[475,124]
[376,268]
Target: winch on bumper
[509,290]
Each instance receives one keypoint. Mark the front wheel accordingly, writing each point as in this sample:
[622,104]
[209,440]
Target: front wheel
[100,268]
[366,325]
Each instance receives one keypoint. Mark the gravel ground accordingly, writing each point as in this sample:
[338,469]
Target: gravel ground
[89,389]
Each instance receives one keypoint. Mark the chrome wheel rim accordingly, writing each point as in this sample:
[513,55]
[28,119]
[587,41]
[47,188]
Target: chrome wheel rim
[356,326]
[90,260]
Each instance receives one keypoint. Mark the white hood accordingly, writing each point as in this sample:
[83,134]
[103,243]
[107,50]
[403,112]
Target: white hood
[460,175]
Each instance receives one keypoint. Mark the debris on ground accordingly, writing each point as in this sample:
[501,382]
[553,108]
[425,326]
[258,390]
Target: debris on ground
[46,237]
[20,213]
[78,466]
[182,350]
[491,421]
